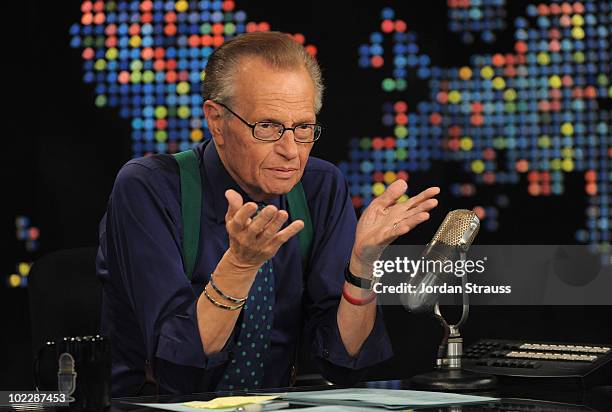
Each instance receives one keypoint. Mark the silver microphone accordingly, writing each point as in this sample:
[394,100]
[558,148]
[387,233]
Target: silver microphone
[453,238]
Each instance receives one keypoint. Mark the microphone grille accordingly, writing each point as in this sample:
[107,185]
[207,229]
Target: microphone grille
[455,226]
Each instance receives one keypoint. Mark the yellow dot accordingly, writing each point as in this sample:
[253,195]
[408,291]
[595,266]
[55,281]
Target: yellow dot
[555,164]
[554,81]
[403,198]
[400,132]
[148,76]
[24,269]
[389,177]
[567,165]
[112,53]
[478,166]
[161,112]
[183,112]
[466,143]
[196,135]
[100,64]
[161,136]
[378,189]
[136,65]
[567,152]
[135,77]
[182,88]
[610,91]
[14,280]
[181,6]
[454,97]
[135,41]
[578,33]
[577,20]
[487,72]
[544,142]
[465,73]
[510,95]
[543,58]
[202,75]
[567,129]
[499,83]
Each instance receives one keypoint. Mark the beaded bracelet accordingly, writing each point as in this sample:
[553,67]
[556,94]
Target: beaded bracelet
[221,305]
[357,301]
[223,295]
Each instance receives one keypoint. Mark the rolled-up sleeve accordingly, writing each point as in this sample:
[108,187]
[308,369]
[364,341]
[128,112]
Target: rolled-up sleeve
[334,238]
[145,264]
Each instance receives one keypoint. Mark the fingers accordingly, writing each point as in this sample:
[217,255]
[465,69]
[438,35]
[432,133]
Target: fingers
[392,193]
[234,203]
[288,232]
[424,195]
[242,217]
[407,224]
[275,224]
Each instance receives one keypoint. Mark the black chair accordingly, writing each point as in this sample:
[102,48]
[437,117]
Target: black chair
[65,300]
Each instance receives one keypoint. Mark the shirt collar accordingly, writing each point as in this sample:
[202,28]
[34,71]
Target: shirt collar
[217,180]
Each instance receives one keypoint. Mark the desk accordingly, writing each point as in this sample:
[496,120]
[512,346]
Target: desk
[514,398]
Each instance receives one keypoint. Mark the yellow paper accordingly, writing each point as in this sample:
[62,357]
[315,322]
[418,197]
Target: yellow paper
[229,402]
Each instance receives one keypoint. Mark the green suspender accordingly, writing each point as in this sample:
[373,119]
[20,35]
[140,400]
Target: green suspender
[191,209]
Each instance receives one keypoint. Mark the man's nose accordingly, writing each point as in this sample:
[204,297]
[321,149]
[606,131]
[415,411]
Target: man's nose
[286,146]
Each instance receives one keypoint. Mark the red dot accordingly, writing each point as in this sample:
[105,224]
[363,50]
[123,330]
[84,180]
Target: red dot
[400,26]
[110,41]
[477,119]
[357,201]
[147,53]
[88,53]
[543,10]
[171,77]
[545,177]
[520,47]
[533,176]
[401,119]
[146,18]
[228,5]
[33,233]
[206,40]
[183,76]
[251,27]
[194,40]
[546,191]
[217,28]
[488,178]
[160,52]
[453,144]
[378,176]
[263,26]
[400,106]
[218,40]
[555,8]
[159,65]
[480,212]
[170,17]
[554,34]
[566,8]
[442,97]
[578,8]
[534,189]
[110,30]
[98,6]
[590,175]
[435,118]
[86,7]
[87,19]
[591,189]
[377,61]
[590,92]
[387,26]
[488,154]
[377,143]
[171,64]
[161,124]
[389,142]
[170,30]
[402,174]
[299,37]
[498,60]
[99,18]
[311,49]
[454,131]
[146,5]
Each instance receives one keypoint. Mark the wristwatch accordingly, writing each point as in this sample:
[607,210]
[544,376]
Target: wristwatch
[360,282]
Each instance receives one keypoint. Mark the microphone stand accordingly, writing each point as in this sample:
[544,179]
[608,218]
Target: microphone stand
[448,375]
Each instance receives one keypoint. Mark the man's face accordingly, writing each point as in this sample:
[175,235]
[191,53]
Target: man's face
[262,93]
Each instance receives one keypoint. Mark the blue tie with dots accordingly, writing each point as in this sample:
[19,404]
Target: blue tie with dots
[246,369]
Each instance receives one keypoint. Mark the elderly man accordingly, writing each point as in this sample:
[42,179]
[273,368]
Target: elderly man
[236,322]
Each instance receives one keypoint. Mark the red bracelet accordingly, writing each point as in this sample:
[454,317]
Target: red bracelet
[357,301]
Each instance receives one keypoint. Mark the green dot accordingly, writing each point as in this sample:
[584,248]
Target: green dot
[388,85]
[231,386]
[253,345]
[261,336]
[400,84]
[365,143]
[258,307]
[259,288]
[100,100]
[88,41]
[257,355]
[248,363]
[243,353]
[248,335]
[205,28]
[265,279]
[242,380]
[229,28]
[237,370]
[401,154]
[253,373]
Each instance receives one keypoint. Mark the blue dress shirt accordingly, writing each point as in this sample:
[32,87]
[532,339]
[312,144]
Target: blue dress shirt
[149,305]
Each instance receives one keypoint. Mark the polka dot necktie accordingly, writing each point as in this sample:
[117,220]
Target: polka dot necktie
[245,370]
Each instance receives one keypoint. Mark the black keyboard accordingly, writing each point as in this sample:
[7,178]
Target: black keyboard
[583,364]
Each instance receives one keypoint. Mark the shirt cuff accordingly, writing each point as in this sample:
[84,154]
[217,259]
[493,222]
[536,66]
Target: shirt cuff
[180,342]
[375,349]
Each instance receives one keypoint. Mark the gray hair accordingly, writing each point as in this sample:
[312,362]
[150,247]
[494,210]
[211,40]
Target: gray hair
[277,49]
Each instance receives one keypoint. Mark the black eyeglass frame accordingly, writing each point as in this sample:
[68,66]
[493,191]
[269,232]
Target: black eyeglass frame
[317,130]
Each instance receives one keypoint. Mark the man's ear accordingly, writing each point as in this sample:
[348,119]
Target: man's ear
[214,117]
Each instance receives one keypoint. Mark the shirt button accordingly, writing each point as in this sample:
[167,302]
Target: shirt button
[325,353]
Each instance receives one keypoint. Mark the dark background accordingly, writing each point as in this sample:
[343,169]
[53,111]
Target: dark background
[64,153]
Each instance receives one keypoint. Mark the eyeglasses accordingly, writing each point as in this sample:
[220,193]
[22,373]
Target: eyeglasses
[271,131]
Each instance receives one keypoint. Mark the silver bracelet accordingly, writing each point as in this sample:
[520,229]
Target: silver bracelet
[223,295]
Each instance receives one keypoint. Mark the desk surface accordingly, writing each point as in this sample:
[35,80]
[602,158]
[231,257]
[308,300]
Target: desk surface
[532,398]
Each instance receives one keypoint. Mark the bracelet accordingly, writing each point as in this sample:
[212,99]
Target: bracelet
[221,305]
[358,281]
[223,295]
[357,301]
